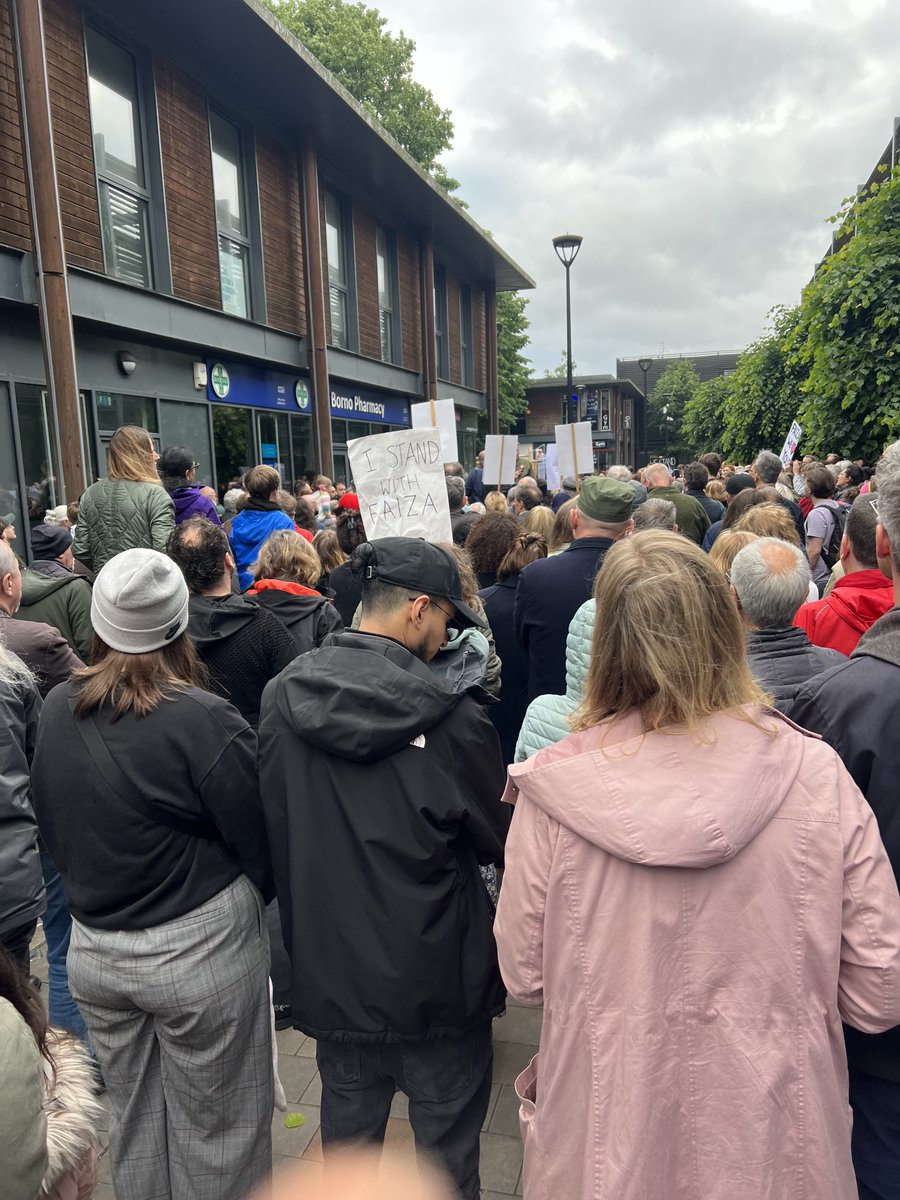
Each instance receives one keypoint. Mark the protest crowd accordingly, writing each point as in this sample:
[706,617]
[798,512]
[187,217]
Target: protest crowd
[621,749]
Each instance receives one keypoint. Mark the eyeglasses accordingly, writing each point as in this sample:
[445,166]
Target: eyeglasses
[452,622]
[194,466]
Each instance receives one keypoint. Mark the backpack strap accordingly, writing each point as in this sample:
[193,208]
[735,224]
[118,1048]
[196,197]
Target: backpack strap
[114,777]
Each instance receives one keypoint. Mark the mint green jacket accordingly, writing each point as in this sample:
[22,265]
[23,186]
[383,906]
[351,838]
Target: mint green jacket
[547,718]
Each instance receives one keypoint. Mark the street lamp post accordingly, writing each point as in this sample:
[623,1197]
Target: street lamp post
[665,411]
[567,246]
[645,364]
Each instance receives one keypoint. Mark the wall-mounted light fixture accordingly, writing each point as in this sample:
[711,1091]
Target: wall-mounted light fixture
[126,362]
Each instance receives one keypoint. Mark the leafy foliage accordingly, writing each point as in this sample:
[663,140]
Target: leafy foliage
[703,420]
[513,368]
[561,369]
[765,391]
[376,67]
[673,390]
[846,341]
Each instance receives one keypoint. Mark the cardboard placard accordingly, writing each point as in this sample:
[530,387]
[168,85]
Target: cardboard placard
[438,414]
[791,442]
[574,449]
[500,452]
[399,479]
[551,463]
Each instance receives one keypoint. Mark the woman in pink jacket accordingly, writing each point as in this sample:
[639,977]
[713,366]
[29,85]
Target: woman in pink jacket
[697,893]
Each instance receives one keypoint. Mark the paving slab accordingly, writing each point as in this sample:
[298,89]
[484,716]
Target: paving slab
[291,1143]
[501,1162]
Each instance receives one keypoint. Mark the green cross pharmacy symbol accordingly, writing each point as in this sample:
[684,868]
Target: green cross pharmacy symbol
[220,381]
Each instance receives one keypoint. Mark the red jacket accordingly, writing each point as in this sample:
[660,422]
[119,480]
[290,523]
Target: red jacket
[855,603]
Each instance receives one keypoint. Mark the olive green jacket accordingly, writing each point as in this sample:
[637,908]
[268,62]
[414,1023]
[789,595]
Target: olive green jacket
[57,596]
[119,514]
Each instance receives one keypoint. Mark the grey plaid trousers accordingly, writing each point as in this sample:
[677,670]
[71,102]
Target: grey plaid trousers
[179,1016]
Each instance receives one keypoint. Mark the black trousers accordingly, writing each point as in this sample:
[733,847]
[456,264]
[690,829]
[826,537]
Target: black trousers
[17,943]
[448,1082]
[876,1136]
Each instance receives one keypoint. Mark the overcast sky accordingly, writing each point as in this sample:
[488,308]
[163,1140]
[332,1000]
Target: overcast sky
[697,145]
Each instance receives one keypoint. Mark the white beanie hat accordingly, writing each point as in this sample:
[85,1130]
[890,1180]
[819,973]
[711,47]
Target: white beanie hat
[139,602]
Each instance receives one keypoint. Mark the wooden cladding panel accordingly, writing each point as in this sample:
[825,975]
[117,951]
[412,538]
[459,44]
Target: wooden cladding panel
[281,219]
[188,182]
[410,301]
[323,235]
[366,284]
[72,139]
[15,229]
[453,327]
[479,341]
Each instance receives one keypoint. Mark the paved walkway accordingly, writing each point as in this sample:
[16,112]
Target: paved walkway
[515,1041]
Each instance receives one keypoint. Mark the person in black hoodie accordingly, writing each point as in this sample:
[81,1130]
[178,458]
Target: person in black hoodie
[381,789]
[283,582]
[242,645]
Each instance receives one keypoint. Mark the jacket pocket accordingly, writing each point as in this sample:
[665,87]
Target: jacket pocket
[526,1090]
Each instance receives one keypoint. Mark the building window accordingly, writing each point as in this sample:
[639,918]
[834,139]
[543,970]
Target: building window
[119,159]
[338,271]
[465,335]
[231,215]
[384,257]
[440,323]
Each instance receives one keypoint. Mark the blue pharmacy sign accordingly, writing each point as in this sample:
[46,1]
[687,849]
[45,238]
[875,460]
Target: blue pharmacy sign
[237,383]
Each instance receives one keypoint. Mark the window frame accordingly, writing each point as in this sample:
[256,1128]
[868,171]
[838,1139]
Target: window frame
[441,323]
[251,240]
[347,286]
[393,280]
[466,365]
[151,193]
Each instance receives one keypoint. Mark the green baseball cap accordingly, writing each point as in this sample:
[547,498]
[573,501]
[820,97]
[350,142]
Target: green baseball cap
[608,500]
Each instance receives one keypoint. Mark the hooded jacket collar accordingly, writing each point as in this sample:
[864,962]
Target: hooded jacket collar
[882,640]
[284,585]
[214,618]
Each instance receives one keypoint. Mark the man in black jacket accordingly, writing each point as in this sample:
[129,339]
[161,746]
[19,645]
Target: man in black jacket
[552,590]
[242,645]
[381,790]
[854,707]
[770,580]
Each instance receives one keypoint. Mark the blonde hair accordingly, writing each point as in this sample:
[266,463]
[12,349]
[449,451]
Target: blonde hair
[716,490]
[495,502]
[540,520]
[563,533]
[328,548]
[769,520]
[667,640]
[727,546]
[286,555]
[130,456]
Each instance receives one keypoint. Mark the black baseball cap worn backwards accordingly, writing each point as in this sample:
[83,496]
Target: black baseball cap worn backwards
[417,565]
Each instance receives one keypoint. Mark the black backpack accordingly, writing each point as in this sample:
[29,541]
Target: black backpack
[831,550]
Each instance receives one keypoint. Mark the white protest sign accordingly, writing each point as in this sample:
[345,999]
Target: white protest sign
[500,451]
[574,449]
[400,482]
[438,414]
[552,469]
[791,442]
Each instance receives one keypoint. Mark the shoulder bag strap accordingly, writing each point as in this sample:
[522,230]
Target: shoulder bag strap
[114,777]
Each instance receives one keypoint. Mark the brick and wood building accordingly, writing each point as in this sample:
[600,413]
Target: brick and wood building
[614,407]
[202,233]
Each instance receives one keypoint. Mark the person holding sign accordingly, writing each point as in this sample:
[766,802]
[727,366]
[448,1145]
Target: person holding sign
[381,789]
[551,591]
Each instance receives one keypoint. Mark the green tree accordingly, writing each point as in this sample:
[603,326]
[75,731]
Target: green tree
[673,391]
[375,67]
[513,368]
[764,396]
[846,341]
[560,371]
[703,420]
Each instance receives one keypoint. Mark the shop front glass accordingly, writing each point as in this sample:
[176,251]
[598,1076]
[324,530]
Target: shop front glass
[10,501]
[275,445]
[234,438]
[184,424]
[37,435]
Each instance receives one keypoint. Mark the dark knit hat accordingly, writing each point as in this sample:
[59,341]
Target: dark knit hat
[50,541]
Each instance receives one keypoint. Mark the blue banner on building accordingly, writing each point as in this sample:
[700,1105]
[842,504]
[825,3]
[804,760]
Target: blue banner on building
[236,383]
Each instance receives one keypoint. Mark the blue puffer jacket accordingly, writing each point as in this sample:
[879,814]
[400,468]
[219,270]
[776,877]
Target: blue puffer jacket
[547,718]
[249,530]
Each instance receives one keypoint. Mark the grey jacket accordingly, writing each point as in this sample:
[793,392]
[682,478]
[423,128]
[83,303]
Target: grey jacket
[119,514]
[21,881]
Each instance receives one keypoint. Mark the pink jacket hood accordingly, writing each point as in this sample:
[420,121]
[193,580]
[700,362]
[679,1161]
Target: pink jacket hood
[681,802]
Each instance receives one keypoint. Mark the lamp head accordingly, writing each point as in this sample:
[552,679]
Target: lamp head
[567,246]
[645,363]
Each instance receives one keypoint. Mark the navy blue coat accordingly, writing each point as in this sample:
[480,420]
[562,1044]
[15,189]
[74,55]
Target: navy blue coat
[549,594]
[507,716]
